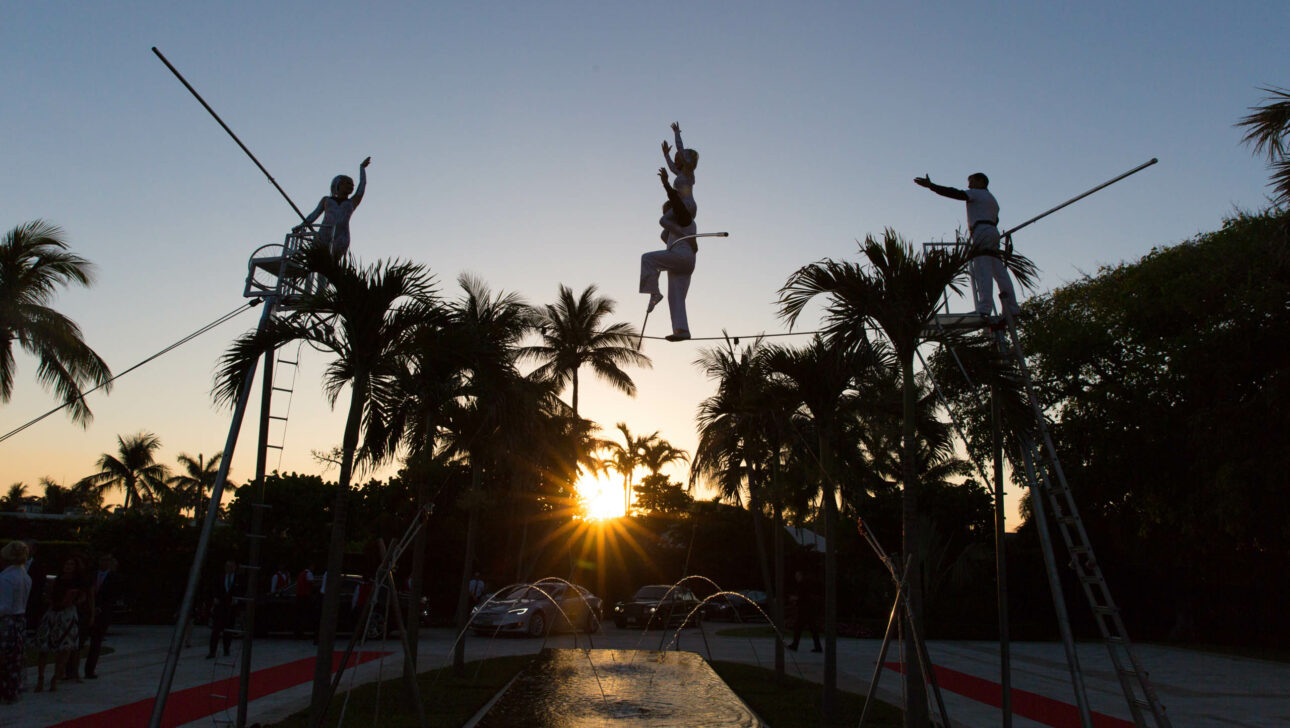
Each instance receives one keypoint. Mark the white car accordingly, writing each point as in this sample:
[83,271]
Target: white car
[532,610]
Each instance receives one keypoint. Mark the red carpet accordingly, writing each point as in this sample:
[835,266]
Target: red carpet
[186,706]
[1025,704]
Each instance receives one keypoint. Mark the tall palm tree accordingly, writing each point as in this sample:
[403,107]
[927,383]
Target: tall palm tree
[495,398]
[34,265]
[367,314]
[738,447]
[408,416]
[133,468]
[574,334]
[195,480]
[822,378]
[626,457]
[898,293]
[1268,130]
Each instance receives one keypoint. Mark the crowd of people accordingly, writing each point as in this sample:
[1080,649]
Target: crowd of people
[52,615]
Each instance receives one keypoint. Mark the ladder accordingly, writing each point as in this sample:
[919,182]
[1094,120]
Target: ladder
[1041,460]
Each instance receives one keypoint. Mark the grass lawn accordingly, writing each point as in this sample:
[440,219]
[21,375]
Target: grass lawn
[796,703]
[451,701]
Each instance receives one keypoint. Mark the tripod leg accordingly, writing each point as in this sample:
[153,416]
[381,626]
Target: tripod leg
[882,657]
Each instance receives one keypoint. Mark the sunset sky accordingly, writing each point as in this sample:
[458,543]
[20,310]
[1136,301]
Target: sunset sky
[519,142]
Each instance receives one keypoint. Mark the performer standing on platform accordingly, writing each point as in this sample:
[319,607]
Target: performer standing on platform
[983,226]
[337,209]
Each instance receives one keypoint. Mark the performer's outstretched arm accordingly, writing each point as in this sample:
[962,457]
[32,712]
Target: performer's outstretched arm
[950,192]
[362,181]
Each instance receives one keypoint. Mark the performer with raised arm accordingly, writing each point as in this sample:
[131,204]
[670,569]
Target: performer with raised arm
[677,260]
[983,226]
[682,167]
[337,209]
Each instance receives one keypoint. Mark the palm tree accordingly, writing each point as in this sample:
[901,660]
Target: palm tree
[574,334]
[899,294]
[626,457]
[1268,130]
[196,479]
[133,468]
[367,314]
[738,447]
[34,264]
[495,399]
[822,379]
[13,497]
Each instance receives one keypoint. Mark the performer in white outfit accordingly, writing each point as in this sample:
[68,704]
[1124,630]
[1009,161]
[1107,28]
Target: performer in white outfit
[983,224]
[677,260]
[337,209]
[683,168]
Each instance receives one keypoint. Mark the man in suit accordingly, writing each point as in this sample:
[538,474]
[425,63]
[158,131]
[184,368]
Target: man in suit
[223,607]
[106,586]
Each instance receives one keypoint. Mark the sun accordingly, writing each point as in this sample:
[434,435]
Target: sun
[599,498]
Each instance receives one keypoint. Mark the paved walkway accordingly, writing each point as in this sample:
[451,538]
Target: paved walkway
[1199,689]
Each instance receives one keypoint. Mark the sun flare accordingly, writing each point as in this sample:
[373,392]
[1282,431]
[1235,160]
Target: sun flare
[600,499]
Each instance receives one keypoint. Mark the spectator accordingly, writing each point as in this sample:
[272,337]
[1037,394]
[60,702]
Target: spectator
[806,593]
[107,590]
[223,607]
[58,631]
[15,590]
[305,601]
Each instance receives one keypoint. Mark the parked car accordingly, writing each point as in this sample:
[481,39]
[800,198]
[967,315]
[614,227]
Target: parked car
[276,613]
[658,605]
[531,610]
[751,607]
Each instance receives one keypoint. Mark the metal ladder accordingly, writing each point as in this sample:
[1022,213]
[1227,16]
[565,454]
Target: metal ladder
[1041,460]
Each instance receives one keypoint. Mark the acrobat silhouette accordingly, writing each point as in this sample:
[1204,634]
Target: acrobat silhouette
[677,223]
[983,226]
[337,209]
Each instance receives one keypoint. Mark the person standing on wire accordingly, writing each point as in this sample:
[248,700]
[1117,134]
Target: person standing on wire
[337,209]
[983,226]
[677,260]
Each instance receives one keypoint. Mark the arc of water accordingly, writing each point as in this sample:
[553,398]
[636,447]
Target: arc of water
[536,587]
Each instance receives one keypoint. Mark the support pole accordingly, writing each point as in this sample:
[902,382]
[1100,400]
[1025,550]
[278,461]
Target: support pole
[203,541]
[256,537]
[1001,563]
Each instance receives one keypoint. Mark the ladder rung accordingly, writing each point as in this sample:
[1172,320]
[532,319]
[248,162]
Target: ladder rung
[276,417]
[275,447]
[281,389]
[288,361]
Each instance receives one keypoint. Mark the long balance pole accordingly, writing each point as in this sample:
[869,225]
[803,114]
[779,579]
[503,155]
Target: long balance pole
[1077,198]
[203,541]
[208,108]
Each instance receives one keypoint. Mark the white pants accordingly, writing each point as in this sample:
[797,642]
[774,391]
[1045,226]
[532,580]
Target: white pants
[988,269]
[679,264]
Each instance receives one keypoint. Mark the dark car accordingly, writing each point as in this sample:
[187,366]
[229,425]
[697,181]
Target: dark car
[276,612]
[658,605]
[752,606]
[532,610]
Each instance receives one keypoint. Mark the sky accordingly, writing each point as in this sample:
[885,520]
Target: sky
[520,141]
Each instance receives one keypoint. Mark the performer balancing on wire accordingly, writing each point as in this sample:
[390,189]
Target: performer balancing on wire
[336,210]
[677,222]
[983,224]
